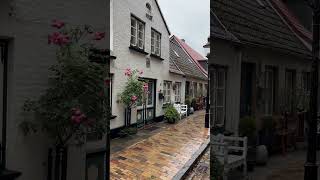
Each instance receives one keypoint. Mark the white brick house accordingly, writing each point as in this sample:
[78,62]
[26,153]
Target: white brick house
[24,28]
[133,26]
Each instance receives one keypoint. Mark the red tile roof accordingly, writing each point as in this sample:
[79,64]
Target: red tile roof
[293,22]
[195,56]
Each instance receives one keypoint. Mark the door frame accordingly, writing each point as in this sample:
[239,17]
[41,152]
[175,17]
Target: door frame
[144,108]
[4,61]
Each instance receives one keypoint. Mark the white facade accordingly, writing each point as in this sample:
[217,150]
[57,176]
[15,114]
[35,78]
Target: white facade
[158,71]
[26,25]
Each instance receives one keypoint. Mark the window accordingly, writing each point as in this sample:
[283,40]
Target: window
[218,77]
[167,91]
[137,33]
[306,82]
[195,89]
[290,88]
[177,92]
[155,42]
[269,89]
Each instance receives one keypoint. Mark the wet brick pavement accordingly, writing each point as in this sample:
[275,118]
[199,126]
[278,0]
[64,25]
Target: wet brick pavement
[201,169]
[161,155]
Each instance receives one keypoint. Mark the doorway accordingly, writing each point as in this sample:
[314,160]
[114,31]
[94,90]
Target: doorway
[247,89]
[146,111]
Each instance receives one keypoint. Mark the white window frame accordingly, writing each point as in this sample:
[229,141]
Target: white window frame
[137,27]
[155,42]
[177,92]
[217,71]
[167,86]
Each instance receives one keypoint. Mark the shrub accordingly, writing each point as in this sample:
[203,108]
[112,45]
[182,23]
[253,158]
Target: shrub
[76,102]
[171,114]
[188,102]
[247,126]
[193,103]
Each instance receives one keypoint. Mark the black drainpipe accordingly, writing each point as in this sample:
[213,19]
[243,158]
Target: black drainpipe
[4,58]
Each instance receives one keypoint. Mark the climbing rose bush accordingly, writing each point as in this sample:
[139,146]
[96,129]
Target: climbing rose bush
[134,89]
[75,102]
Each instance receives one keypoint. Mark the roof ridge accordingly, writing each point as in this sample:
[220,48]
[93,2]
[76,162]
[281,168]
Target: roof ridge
[296,24]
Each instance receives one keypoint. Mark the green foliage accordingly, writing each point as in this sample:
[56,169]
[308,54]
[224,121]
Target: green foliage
[267,123]
[247,126]
[193,102]
[133,88]
[128,131]
[171,114]
[76,88]
[188,101]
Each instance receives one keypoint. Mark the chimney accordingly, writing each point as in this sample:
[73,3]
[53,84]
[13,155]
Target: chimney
[183,40]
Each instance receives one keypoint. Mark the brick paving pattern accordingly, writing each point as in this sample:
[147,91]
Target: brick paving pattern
[162,155]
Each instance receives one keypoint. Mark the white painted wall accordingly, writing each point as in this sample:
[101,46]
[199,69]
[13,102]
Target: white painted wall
[29,59]
[126,58]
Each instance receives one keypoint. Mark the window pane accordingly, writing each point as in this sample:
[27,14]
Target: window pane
[221,79]
[150,93]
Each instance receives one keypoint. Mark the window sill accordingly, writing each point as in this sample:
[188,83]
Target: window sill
[138,50]
[157,57]
[113,117]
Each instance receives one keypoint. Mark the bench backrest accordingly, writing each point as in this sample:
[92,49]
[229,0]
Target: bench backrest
[222,143]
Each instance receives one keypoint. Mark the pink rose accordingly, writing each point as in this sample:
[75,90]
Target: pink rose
[145,87]
[57,24]
[58,39]
[141,72]
[134,98]
[99,35]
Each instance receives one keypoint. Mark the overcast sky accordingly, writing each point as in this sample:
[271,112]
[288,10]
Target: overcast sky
[189,20]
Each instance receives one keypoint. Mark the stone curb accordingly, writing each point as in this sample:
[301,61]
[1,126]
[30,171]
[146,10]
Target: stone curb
[189,164]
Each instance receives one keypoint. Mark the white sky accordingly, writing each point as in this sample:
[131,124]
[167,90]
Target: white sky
[189,20]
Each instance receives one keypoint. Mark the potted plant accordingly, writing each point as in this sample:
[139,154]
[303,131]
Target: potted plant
[188,103]
[171,115]
[267,132]
[247,127]
[193,104]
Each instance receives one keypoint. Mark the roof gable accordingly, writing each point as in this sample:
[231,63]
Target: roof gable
[194,55]
[258,25]
[164,20]
[183,61]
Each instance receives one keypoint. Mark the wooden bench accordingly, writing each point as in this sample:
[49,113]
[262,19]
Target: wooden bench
[182,109]
[231,152]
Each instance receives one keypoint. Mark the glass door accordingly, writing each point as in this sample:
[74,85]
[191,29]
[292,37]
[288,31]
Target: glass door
[146,110]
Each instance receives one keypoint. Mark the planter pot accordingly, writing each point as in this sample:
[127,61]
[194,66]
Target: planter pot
[262,155]
[191,110]
[250,166]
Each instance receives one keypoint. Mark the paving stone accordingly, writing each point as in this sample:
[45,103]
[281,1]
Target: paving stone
[161,155]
